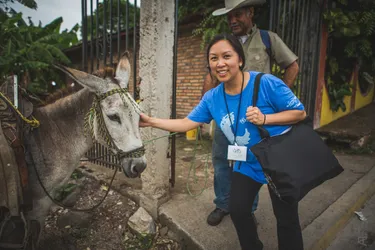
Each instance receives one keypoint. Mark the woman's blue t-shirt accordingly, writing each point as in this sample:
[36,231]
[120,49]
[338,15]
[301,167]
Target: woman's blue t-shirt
[274,96]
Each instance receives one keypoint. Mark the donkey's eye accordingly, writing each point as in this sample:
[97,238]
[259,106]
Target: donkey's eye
[114,118]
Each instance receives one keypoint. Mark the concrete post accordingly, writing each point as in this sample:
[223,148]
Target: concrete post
[156,69]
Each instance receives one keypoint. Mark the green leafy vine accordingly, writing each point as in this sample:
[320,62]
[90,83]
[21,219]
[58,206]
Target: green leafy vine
[351,27]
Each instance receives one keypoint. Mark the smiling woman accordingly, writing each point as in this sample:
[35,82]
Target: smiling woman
[229,104]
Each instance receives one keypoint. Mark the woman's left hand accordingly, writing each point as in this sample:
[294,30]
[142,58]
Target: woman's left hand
[255,116]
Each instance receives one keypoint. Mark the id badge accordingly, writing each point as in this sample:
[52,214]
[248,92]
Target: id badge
[237,153]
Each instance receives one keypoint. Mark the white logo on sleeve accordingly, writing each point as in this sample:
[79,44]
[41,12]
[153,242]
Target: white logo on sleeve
[225,126]
[293,103]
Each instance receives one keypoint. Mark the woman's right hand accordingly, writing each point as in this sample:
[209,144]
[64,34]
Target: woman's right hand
[144,120]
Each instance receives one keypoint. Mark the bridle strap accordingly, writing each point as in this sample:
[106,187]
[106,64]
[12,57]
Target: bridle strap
[136,153]
[111,92]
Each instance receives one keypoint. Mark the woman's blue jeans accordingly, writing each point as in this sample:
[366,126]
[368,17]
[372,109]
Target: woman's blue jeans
[223,172]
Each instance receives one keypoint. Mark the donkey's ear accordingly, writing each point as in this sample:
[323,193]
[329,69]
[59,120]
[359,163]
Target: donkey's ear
[123,70]
[93,83]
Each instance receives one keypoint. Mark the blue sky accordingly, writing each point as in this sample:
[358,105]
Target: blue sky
[48,10]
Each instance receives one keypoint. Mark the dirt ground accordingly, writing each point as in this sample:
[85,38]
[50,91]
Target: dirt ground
[104,228]
[194,171]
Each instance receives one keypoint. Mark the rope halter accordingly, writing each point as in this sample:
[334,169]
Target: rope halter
[96,112]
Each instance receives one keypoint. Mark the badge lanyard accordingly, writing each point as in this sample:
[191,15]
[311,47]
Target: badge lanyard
[238,115]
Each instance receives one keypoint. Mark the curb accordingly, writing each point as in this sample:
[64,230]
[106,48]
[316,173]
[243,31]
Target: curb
[339,213]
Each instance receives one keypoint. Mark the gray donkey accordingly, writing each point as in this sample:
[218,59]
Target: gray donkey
[103,109]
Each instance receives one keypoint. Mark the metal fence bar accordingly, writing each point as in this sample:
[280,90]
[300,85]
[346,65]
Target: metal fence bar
[91,36]
[97,35]
[127,25]
[303,52]
[289,28]
[315,56]
[300,36]
[135,50]
[110,33]
[105,32]
[307,53]
[84,34]
[174,96]
[293,26]
[298,16]
[118,30]
[107,157]
[278,17]
[95,147]
[284,22]
[272,10]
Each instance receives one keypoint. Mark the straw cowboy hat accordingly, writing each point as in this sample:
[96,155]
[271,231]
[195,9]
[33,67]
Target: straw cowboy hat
[234,4]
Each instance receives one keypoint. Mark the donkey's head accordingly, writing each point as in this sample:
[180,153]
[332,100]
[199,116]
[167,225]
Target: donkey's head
[114,117]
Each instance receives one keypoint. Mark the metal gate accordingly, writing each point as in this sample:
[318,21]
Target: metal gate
[299,23]
[109,27]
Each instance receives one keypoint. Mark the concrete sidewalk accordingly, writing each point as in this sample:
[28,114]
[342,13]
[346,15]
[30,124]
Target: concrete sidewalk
[320,211]
[358,234]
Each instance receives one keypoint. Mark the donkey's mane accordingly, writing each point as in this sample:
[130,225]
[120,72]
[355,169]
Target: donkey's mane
[59,94]
[72,104]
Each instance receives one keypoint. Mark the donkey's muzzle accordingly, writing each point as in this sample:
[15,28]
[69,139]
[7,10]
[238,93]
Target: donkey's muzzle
[135,167]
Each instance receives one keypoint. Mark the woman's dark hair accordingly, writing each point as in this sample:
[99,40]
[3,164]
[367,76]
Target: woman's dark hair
[233,41]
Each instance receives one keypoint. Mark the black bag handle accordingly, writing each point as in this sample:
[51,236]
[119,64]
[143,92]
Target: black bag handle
[262,131]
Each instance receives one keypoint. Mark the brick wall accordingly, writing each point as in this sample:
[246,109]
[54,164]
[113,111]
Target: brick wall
[191,69]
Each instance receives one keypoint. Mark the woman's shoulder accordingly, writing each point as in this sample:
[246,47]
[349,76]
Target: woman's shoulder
[268,80]
[266,76]
[212,93]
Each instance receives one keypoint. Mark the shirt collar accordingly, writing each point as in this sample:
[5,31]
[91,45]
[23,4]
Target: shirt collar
[251,33]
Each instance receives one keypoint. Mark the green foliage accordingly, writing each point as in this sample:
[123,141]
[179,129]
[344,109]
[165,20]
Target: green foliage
[29,51]
[76,175]
[351,27]
[99,14]
[140,241]
[28,3]
[209,25]
[187,8]
[62,192]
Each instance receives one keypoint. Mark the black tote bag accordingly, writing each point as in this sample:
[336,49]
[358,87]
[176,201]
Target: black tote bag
[295,162]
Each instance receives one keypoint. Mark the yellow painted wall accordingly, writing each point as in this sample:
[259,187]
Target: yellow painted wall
[327,115]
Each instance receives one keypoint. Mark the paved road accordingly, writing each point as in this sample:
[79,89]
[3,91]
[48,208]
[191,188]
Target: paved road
[358,234]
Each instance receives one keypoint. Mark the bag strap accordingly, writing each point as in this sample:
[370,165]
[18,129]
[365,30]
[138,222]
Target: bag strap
[267,42]
[262,131]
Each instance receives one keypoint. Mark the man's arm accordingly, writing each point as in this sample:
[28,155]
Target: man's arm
[290,74]
[285,58]
[209,83]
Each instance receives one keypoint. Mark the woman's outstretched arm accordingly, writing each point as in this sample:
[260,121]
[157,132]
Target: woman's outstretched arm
[172,125]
